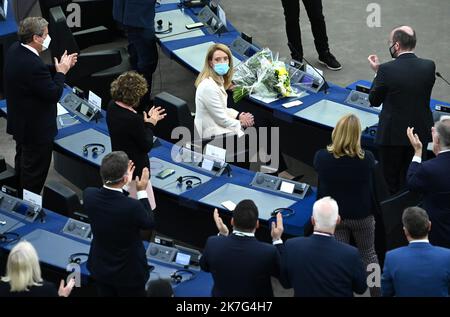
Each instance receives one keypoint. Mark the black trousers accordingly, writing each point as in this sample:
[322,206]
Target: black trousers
[395,162]
[32,162]
[292,17]
[143,58]
[108,290]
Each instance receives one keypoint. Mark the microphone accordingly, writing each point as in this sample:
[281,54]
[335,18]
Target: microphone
[325,83]
[438,74]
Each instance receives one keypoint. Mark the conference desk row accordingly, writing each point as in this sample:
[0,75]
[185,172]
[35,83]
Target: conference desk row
[312,121]
[184,214]
[55,247]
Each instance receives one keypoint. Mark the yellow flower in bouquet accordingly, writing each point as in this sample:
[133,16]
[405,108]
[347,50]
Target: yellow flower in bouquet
[262,75]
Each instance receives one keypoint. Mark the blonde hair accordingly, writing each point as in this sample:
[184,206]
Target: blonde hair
[22,268]
[208,71]
[129,88]
[346,138]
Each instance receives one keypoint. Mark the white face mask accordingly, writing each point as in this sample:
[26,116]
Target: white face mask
[46,42]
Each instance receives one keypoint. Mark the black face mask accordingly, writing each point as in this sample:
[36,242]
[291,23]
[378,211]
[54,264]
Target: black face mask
[392,51]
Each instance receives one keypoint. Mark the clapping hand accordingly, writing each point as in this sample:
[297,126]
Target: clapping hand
[64,291]
[154,115]
[277,228]
[66,62]
[415,141]
[130,171]
[374,62]
[223,229]
[142,182]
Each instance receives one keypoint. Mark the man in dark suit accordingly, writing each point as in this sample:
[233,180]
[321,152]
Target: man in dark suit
[242,266]
[431,178]
[419,269]
[319,265]
[32,91]
[404,88]
[117,259]
[137,17]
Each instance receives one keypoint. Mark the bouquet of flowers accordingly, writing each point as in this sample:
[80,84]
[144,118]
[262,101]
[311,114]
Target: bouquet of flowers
[262,75]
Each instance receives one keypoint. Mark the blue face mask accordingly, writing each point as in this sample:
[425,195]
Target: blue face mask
[221,69]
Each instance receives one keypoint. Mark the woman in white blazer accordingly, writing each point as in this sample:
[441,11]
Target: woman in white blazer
[213,117]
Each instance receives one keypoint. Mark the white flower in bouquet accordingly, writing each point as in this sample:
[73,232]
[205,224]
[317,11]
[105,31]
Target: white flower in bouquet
[262,75]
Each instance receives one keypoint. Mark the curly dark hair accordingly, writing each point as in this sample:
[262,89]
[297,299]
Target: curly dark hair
[129,88]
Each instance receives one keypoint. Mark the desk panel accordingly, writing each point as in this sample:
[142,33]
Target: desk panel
[194,56]
[170,183]
[54,249]
[8,223]
[179,19]
[328,113]
[76,142]
[265,202]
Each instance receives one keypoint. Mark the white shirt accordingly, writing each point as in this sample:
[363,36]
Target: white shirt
[140,194]
[252,234]
[408,52]
[322,234]
[418,159]
[30,48]
[420,241]
[212,116]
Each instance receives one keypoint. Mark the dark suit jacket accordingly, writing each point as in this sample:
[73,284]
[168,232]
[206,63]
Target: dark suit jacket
[319,266]
[404,87]
[135,13]
[240,266]
[117,254]
[129,133]
[348,180]
[46,290]
[432,179]
[416,270]
[32,91]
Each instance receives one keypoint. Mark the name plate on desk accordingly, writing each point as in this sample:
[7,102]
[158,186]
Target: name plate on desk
[279,185]
[54,249]
[328,113]
[265,202]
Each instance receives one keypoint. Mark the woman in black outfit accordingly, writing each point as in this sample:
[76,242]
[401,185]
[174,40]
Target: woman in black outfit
[345,173]
[23,276]
[130,131]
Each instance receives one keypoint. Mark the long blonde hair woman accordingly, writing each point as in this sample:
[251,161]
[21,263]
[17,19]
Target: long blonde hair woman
[346,138]
[345,172]
[23,275]
[213,117]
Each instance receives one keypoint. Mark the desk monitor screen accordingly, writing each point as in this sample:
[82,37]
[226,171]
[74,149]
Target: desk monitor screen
[309,80]
[183,259]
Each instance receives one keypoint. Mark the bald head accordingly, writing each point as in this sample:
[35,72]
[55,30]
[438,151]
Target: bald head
[405,36]
[325,214]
